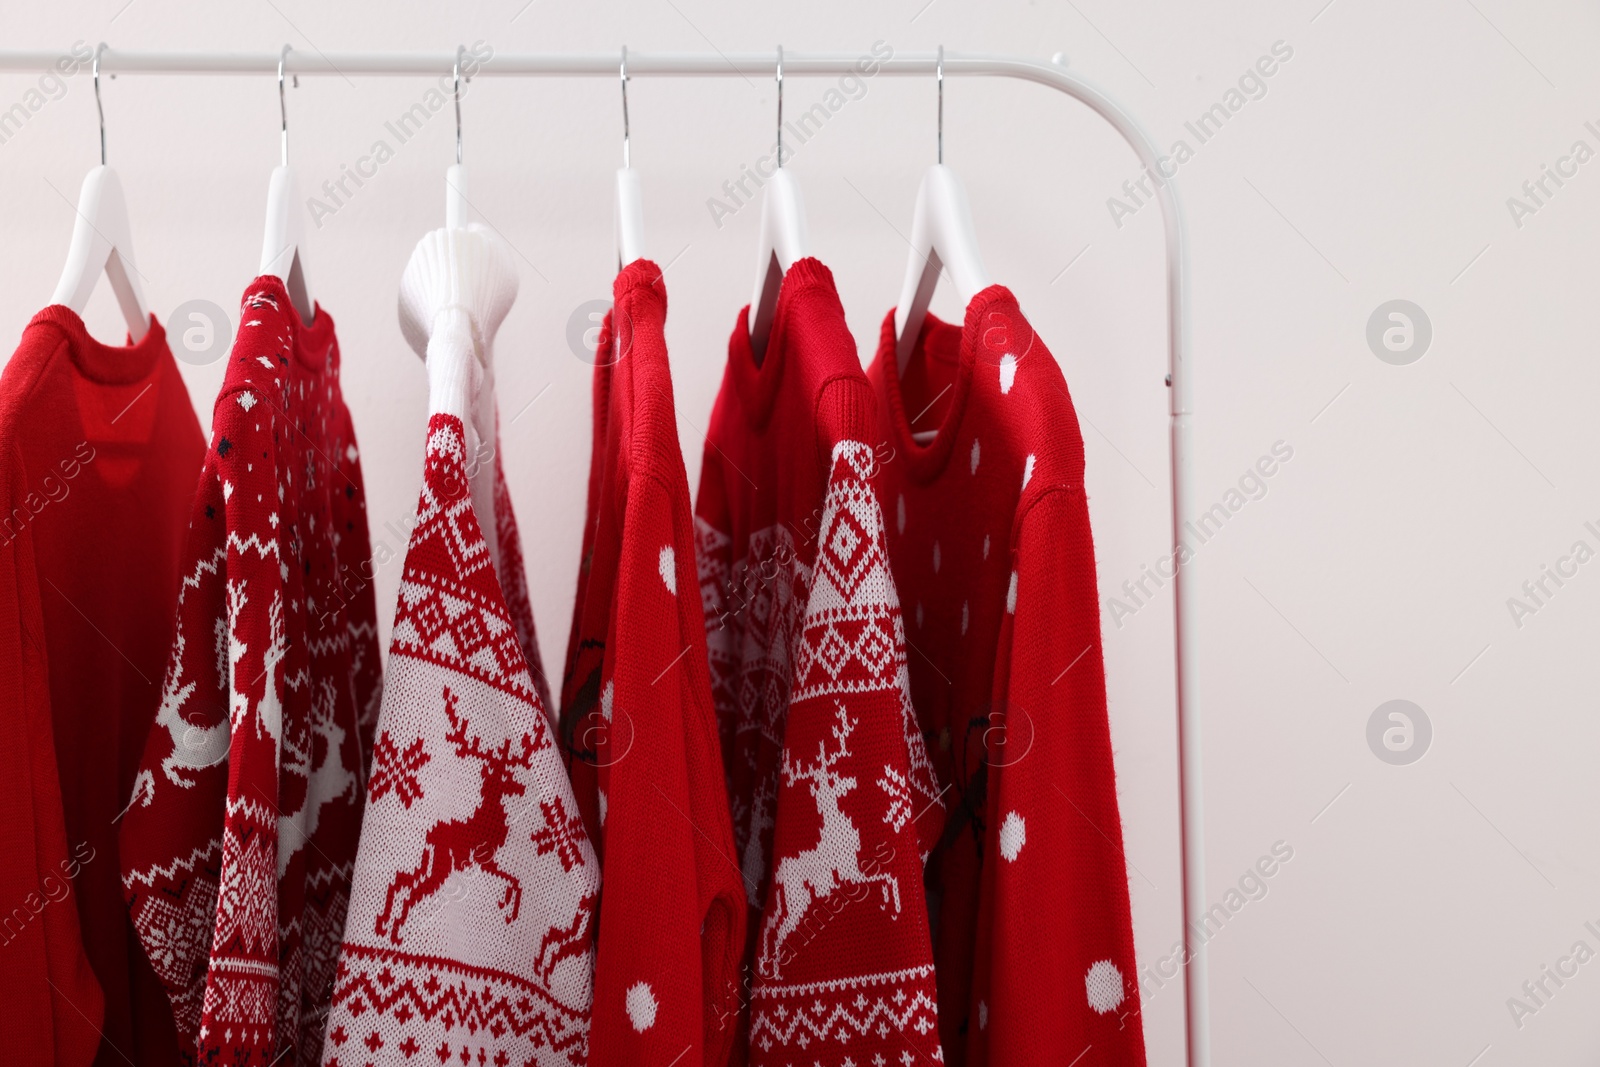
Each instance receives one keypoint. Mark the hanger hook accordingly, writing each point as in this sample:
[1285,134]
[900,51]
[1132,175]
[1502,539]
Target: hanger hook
[97,105]
[625,105]
[457,78]
[780,106]
[283,108]
[940,74]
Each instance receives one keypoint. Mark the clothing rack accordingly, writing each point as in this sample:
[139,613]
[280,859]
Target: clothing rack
[743,64]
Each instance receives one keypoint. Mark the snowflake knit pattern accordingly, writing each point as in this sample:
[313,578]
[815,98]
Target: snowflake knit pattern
[844,968]
[469,936]
[237,845]
[833,796]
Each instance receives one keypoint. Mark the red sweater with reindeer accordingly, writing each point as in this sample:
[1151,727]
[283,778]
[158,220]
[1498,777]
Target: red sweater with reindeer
[239,838]
[637,720]
[99,450]
[833,796]
[989,537]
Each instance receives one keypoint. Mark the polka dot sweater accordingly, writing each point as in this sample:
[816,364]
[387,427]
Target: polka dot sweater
[638,729]
[990,544]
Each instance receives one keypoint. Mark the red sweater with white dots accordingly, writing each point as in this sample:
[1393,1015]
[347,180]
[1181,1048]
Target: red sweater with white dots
[990,543]
[833,796]
[637,726]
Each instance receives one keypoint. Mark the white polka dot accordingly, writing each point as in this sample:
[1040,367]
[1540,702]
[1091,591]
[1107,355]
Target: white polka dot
[668,564]
[963,618]
[1103,984]
[247,400]
[605,699]
[1013,835]
[642,1006]
[985,546]
[974,455]
[1027,471]
[983,1015]
[900,513]
[1008,372]
[1011,595]
[602,794]
[936,557]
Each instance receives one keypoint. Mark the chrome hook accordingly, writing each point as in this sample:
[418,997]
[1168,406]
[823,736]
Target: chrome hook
[457,78]
[780,106]
[940,74]
[625,105]
[283,107]
[97,105]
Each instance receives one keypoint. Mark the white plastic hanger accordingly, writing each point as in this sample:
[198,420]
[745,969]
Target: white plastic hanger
[942,238]
[457,212]
[630,194]
[102,241]
[286,229]
[783,239]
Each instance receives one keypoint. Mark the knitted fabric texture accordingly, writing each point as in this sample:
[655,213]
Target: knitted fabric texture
[638,727]
[833,795]
[238,841]
[992,551]
[457,289]
[99,451]
[469,936]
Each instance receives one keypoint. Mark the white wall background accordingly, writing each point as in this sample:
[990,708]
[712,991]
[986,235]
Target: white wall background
[1377,566]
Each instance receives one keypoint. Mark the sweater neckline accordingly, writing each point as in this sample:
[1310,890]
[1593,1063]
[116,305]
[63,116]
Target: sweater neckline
[926,461]
[122,364]
[758,386]
[312,341]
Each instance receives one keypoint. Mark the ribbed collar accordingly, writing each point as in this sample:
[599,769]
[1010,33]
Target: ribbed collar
[758,386]
[946,342]
[107,364]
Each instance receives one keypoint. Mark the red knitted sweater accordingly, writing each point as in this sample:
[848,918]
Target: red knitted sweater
[833,796]
[99,450]
[238,843]
[637,721]
[989,537]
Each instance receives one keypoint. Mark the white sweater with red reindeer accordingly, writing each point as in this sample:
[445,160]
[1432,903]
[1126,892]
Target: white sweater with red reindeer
[469,937]
[237,844]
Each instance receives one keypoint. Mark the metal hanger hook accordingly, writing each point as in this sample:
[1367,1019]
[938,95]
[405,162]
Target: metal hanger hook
[625,105]
[460,48]
[780,106]
[97,105]
[939,70]
[283,108]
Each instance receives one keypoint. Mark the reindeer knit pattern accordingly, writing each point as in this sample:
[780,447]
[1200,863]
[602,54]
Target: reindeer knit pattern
[237,844]
[638,726]
[469,937]
[993,554]
[833,794]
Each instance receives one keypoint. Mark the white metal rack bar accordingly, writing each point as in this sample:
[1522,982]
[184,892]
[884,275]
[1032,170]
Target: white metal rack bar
[760,64]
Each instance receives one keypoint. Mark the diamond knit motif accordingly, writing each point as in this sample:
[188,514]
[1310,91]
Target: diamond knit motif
[843,963]
[469,930]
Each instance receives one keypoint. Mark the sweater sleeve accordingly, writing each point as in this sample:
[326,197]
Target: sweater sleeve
[202,783]
[1056,972]
[50,1004]
[672,932]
